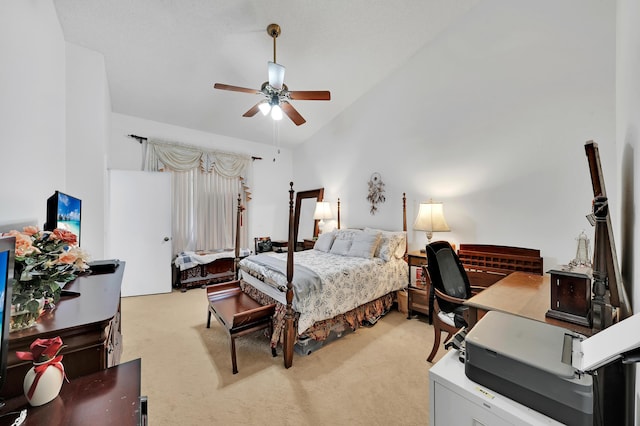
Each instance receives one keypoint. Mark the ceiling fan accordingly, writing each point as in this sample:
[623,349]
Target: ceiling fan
[277,96]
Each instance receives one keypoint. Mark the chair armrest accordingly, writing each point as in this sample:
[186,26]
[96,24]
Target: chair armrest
[446,297]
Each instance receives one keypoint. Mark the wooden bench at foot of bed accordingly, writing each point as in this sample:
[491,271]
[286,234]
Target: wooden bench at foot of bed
[238,313]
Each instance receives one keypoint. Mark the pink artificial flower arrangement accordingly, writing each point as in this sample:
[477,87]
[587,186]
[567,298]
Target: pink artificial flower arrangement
[45,261]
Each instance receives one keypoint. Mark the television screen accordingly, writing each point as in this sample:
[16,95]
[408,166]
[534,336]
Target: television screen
[64,211]
[7,259]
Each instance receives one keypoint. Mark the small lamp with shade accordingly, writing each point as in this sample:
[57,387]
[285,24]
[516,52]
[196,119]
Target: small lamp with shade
[430,219]
[322,213]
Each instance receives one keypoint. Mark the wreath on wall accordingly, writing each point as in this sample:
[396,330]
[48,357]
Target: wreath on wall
[376,192]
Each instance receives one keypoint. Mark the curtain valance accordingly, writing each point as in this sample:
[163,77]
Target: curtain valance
[179,157]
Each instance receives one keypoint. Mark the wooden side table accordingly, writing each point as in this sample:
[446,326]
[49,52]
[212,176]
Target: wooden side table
[418,293]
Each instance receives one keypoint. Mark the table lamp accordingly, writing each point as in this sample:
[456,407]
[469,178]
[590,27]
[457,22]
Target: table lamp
[430,219]
[322,213]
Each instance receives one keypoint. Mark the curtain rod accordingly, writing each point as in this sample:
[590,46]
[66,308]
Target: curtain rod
[142,138]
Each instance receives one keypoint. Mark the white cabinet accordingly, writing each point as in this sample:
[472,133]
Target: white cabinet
[456,400]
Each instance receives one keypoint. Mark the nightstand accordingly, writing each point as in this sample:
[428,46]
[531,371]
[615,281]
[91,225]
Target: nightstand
[308,244]
[418,292]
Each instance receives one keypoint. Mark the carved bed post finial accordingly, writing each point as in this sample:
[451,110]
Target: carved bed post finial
[289,330]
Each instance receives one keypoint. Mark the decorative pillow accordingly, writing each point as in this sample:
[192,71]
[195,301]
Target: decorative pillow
[324,242]
[364,245]
[392,244]
[346,234]
[340,247]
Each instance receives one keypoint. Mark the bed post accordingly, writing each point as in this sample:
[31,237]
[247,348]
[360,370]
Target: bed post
[404,220]
[289,330]
[338,213]
[236,259]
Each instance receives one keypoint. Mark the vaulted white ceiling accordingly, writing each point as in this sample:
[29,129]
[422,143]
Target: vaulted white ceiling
[163,57]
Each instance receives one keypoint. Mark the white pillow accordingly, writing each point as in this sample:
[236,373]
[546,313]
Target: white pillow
[364,245]
[324,242]
[346,234]
[340,247]
[392,244]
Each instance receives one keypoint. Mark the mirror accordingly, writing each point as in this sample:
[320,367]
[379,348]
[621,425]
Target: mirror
[303,214]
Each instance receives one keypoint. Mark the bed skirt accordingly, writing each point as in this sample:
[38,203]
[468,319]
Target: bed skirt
[353,319]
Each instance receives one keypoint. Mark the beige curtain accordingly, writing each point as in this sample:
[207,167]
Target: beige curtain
[205,187]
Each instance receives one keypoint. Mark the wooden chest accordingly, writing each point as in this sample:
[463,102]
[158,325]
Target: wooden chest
[571,296]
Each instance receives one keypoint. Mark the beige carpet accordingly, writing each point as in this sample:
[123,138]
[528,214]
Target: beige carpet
[374,376]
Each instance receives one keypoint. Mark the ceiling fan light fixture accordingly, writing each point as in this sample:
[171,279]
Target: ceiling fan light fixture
[276,112]
[264,107]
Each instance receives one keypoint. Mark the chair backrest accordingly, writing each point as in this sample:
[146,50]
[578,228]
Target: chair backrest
[447,273]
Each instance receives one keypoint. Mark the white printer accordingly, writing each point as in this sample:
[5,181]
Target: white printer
[544,367]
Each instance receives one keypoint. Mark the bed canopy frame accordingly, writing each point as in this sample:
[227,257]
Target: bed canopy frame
[289,335]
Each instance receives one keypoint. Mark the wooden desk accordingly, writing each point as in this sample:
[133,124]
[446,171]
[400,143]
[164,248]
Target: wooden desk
[522,294]
[89,326]
[107,397]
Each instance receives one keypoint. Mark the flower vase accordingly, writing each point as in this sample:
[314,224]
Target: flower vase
[43,382]
[22,318]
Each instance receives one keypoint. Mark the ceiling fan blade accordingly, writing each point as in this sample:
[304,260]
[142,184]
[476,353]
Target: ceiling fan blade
[253,110]
[276,75]
[310,95]
[234,88]
[292,113]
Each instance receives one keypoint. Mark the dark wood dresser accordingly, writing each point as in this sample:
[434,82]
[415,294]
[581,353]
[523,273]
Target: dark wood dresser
[89,326]
[106,397]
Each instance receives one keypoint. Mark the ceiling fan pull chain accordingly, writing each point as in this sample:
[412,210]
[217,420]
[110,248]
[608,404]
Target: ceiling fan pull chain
[276,138]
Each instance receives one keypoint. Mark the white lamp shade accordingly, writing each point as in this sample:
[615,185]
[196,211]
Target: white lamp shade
[264,107]
[276,112]
[323,211]
[431,218]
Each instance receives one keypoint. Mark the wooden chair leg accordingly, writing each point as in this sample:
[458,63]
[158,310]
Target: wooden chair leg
[436,343]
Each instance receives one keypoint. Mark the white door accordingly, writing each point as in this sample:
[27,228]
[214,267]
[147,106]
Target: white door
[139,230]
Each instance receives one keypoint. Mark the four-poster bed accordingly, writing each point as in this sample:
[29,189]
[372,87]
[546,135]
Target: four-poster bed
[350,278]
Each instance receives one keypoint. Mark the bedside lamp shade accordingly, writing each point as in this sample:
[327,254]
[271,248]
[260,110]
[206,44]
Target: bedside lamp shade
[322,212]
[431,219]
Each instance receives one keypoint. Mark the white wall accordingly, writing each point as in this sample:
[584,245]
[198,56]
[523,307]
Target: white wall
[270,176]
[88,114]
[490,118]
[628,143]
[32,109]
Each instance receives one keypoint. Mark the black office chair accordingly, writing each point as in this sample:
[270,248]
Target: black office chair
[451,288]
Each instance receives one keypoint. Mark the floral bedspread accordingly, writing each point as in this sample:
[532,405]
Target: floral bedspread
[347,282]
